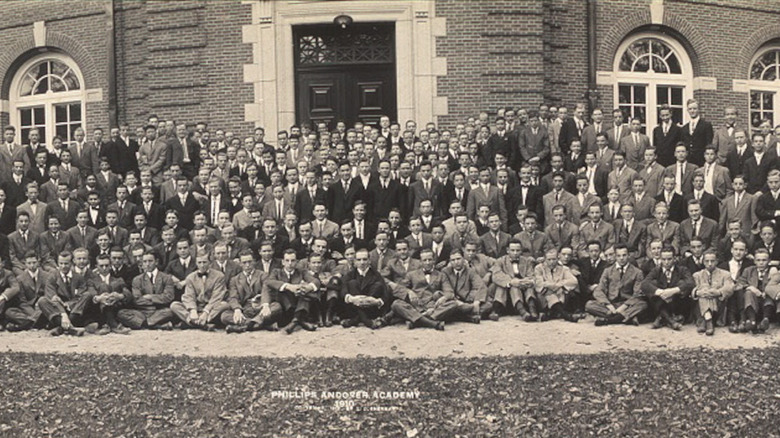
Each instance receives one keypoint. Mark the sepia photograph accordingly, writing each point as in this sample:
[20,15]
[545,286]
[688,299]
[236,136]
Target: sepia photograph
[398,218]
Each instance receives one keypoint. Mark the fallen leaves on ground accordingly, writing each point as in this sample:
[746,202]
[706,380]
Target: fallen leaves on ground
[679,393]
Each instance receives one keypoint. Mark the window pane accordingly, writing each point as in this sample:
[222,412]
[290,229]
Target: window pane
[768,100]
[58,68]
[674,64]
[72,81]
[75,112]
[755,119]
[38,116]
[26,88]
[42,138]
[770,74]
[624,93]
[25,136]
[62,131]
[43,86]
[57,84]
[677,96]
[642,64]
[60,113]
[639,94]
[677,115]
[662,95]
[659,66]
[26,116]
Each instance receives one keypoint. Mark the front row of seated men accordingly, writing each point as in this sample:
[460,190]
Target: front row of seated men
[387,286]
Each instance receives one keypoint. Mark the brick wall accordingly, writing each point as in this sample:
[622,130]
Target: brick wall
[184,61]
[494,53]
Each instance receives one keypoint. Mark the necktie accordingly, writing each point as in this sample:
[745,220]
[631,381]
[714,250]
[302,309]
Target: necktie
[678,178]
[614,212]
[426,185]
[24,237]
[695,228]
[278,210]
[621,271]
[557,196]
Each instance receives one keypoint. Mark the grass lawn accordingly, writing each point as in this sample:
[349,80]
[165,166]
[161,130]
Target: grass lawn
[683,393]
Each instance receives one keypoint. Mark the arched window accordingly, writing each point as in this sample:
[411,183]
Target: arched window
[765,86]
[47,93]
[652,70]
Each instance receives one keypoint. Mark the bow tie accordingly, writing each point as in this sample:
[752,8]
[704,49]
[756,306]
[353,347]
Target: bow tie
[203,274]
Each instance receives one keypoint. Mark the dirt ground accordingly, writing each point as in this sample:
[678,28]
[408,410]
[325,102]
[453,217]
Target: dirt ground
[506,337]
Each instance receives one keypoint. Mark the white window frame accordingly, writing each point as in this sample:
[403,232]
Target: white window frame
[652,80]
[47,100]
[757,85]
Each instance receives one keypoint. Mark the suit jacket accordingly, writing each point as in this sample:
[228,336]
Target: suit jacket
[121,155]
[326,230]
[656,279]
[72,176]
[566,199]
[498,143]
[177,270]
[603,232]
[687,176]
[766,206]
[614,137]
[242,291]
[600,179]
[721,182]
[635,151]
[653,176]
[99,220]
[18,248]
[708,233]
[304,204]
[155,217]
[588,137]
[203,294]
[492,247]
[107,187]
[67,218]
[604,158]
[340,201]
[502,271]
[468,286]
[736,162]
[278,278]
[15,193]
[643,208]
[115,284]
[126,214]
[534,244]
[569,132]
[53,246]
[77,241]
[664,144]
[157,295]
[47,192]
[567,235]
[749,277]
[427,291]
[29,291]
[615,288]
[88,161]
[8,218]
[678,210]
[7,158]
[270,210]
[696,142]
[56,287]
[186,211]
[669,235]
[414,244]
[34,174]
[493,198]
[745,211]
[167,191]
[534,146]
[558,277]
[573,164]
[756,174]
[38,222]
[724,142]
[579,212]
[710,206]
[636,240]
[154,154]
[383,200]
[417,194]
[395,271]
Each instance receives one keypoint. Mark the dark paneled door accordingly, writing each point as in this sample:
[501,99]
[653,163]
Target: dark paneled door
[345,75]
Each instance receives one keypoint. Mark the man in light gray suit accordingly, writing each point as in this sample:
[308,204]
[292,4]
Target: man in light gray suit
[152,153]
[740,205]
[634,145]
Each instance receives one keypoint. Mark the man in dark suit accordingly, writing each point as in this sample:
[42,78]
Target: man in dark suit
[154,212]
[575,159]
[183,151]
[572,128]
[15,184]
[121,151]
[736,156]
[184,204]
[7,214]
[667,287]
[758,166]
[307,196]
[499,141]
[427,187]
[64,208]
[696,134]
[666,136]
[677,210]
[768,204]
[181,266]
[534,145]
[365,294]
[591,268]
[385,194]
[343,194]
[67,299]
[710,206]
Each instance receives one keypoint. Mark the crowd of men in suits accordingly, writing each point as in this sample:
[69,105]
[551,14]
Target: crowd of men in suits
[534,213]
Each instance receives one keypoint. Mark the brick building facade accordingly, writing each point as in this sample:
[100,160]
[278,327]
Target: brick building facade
[231,64]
